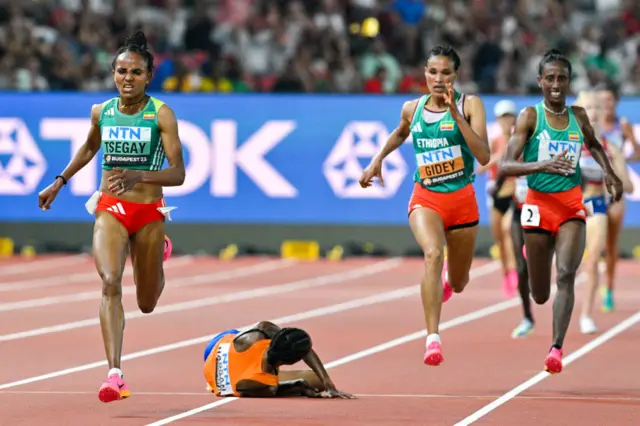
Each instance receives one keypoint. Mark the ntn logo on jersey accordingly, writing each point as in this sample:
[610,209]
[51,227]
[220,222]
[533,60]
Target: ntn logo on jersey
[126,134]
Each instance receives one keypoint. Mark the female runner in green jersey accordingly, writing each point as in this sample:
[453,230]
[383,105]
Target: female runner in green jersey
[137,132]
[449,131]
[549,136]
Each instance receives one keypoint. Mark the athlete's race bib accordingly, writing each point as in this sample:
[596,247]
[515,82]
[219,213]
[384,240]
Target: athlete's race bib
[530,215]
[126,145]
[548,149]
[521,189]
[441,165]
[223,381]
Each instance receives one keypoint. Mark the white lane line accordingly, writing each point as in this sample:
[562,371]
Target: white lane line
[314,313]
[463,319]
[262,291]
[63,278]
[131,289]
[579,353]
[43,264]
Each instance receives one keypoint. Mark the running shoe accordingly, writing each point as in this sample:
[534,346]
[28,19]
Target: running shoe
[588,325]
[523,329]
[553,361]
[433,354]
[607,300]
[447,291]
[114,389]
[168,248]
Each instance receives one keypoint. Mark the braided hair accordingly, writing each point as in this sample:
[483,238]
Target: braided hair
[554,55]
[288,346]
[137,43]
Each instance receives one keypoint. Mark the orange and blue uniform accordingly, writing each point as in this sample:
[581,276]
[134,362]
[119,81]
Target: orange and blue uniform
[224,366]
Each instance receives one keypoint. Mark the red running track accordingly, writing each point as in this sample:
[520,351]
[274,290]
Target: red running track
[365,319]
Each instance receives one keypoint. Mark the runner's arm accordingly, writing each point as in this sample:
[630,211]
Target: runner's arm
[175,173]
[475,131]
[400,133]
[627,131]
[311,359]
[89,149]
[509,166]
[620,166]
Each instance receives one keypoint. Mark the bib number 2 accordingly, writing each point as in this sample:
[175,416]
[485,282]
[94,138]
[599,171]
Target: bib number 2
[530,215]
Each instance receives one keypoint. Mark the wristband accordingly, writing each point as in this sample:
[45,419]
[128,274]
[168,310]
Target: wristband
[64,181]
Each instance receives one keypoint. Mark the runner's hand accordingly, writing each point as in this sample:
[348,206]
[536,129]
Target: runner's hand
[123,180]
[374,169]
[335,393]
[450,100]
[614,186]
[47,195]
[559,165]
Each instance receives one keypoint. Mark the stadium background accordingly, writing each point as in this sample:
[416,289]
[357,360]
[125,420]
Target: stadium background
[281,104]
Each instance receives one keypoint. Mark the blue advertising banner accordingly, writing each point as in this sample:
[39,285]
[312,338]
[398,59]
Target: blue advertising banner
[288,159]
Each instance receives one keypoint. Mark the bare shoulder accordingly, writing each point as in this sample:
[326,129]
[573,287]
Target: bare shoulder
[166,113]
[409,108]
[96,110]
[528,116]
[473,105]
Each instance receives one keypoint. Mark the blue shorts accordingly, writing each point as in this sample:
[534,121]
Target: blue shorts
[599,204]
[215,340]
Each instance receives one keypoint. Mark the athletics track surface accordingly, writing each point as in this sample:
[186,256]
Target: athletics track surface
[364,316]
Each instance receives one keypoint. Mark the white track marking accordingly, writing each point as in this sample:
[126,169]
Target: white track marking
[262,291]
[314,313]
[579,353]
[463,319]
[131,289]
[43,264]
[206,395]
[65,278]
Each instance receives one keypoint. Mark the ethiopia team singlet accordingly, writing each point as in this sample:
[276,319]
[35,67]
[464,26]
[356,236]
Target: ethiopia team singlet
[547,142]
[131,141]
[443,158]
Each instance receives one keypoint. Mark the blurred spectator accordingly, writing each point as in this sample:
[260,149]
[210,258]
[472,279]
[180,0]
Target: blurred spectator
[342,46]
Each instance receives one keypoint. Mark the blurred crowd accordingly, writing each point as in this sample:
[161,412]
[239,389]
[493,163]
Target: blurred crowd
[339,46]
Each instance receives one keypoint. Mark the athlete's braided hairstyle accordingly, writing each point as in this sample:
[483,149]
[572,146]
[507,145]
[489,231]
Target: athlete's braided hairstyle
[288,346]
[447,51]
[554,55]
[136,42]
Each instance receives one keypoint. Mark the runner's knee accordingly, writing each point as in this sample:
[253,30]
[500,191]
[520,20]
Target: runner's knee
[111,284]
[433,256]
[566,278]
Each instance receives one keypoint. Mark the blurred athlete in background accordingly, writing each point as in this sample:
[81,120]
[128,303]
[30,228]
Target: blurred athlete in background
[449,132]
[248,364]
[137,132]
[618,131]
[500,196]
[549,136]
[597,202]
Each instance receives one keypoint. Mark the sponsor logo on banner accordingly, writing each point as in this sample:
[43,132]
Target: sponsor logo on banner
[358,143]
[22,165]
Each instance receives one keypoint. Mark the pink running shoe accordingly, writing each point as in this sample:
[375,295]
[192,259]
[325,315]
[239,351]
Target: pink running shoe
[168,248]
[510,284]
[447,291]
[553,361]
[114,389]
[433,355]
